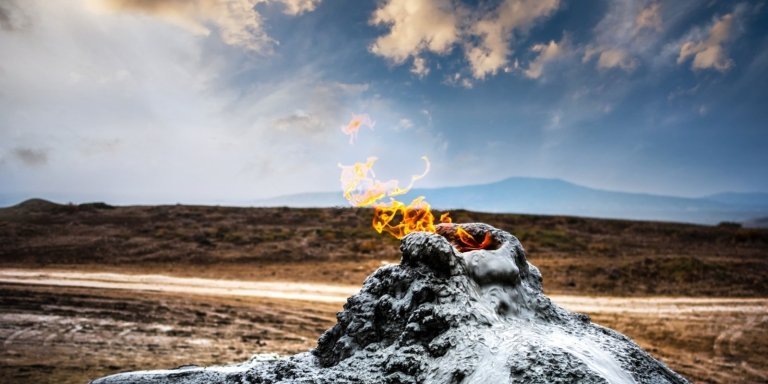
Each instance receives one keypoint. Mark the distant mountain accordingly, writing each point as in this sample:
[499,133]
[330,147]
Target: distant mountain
[558,197]
[756,199]
[550,197]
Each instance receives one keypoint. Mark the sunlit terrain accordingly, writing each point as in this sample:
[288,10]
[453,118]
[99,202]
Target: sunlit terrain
[93,289]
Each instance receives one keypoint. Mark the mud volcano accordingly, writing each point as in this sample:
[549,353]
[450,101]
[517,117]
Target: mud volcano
[447,316]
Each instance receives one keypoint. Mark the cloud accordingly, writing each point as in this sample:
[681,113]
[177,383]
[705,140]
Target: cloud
[629,31]
[236,21]
[420,67]
[649,17]
[495,32]
[546,54]
[415,27]
[297,7]
[12,18]
[300,121]
[405,123]
[608,58]
[458,80]
[320,107]
[31,157]
[247,132]
[710,52]
[436,26]
[428,115]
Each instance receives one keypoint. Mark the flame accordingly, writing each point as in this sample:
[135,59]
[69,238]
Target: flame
[414,217]
[466,242]
[362,189]
[353,127]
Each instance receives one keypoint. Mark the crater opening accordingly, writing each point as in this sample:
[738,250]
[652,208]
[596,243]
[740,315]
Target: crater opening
[467,238]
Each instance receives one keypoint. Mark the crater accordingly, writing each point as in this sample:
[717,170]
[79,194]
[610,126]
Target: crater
[468,238]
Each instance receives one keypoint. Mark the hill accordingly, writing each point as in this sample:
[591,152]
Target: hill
[558,197]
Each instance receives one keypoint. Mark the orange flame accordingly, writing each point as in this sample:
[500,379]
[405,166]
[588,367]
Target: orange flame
[362,189]
[353,127]
[463,240]
[414,217]
[466,242]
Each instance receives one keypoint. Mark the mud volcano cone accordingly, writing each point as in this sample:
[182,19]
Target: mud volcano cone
[447,316]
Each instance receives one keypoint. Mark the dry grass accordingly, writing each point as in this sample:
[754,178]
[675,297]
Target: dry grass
[575,255]
[59,335]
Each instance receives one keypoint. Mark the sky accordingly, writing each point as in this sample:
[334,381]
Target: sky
[228,101]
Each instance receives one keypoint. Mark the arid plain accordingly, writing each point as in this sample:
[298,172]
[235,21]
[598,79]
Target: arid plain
[92,289]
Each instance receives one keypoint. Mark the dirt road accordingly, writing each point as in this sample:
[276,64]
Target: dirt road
[328,293]
[67,326]
[324,293]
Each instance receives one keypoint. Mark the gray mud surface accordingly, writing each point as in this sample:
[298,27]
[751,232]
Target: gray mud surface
[443,316]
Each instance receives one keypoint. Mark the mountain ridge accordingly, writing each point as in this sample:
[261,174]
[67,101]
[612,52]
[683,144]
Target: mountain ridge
[560,197]
[547,196]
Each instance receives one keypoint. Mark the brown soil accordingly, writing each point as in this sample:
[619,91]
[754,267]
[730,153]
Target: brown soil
[575,255]
[72,334]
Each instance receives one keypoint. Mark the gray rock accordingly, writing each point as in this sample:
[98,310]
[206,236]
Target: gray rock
[443,316]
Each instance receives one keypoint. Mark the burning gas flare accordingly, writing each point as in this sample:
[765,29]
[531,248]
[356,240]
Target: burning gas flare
[362,189]
[353,127]
[460,238]
[399,219]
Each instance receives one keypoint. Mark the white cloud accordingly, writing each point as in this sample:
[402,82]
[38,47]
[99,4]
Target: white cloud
[710,52]
[611,58]
[458,80]
[649,17]
[134,115]
[546,54]
[297,7]
[405,123]
[414,27]
[236,21]
[435,26]
[627,32]
[495,32]
[420,67]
